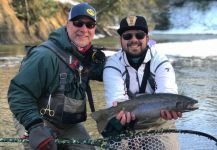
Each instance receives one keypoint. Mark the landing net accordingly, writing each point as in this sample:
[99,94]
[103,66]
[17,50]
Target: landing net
[166,139]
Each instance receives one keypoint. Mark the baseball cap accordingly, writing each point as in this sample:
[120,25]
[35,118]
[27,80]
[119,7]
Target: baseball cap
[82,9]
[133,23]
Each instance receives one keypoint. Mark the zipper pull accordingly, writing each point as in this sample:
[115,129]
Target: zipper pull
[70,59]
[80,68]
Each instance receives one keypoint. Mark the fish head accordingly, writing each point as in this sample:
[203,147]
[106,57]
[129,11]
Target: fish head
[187,105]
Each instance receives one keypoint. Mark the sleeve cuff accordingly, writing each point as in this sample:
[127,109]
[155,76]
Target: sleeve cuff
[33,123]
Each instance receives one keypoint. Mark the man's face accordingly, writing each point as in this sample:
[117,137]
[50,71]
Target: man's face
[81,31]
[134,42]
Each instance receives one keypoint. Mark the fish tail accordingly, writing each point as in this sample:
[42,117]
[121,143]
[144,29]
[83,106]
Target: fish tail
[97,115]
[102,118]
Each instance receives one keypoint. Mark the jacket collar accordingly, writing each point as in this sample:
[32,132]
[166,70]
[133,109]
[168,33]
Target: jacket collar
[60,37]
[147,57]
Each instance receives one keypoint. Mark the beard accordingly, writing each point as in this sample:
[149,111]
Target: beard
[138,43]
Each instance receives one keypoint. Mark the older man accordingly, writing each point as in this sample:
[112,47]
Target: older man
[47,96]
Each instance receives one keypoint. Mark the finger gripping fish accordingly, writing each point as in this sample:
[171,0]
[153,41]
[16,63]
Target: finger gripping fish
[146,108]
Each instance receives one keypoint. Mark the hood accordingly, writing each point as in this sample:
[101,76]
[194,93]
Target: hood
[61,39]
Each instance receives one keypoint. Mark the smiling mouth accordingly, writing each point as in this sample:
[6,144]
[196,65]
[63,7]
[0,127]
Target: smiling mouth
[82,36]
[134,46]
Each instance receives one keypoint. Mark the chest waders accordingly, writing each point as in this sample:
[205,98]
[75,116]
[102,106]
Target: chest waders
[66,110]
[148,77]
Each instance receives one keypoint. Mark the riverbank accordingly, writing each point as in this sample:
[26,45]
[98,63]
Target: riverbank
[13,30]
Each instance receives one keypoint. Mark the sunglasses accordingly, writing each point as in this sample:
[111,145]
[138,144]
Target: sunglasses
[89,24]
[138,35]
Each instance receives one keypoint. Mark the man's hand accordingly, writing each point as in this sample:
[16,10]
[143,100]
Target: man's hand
[98,57]
[118,124]
[42,138]
[123,116]
[169,115]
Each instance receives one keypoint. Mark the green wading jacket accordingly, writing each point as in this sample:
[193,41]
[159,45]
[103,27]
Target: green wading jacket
[39,77]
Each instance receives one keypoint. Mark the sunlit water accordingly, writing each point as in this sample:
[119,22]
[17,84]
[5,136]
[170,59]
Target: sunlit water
[199,82]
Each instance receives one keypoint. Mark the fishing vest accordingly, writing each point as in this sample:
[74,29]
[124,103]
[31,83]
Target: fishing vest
[66,110]
[148,77]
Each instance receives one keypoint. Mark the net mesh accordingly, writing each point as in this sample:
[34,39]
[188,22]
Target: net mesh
[151,140]
[138,142]
[186,140]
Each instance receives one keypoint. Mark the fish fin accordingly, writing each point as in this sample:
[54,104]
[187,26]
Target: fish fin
[102,119]
[103,113]
[101,125]
[96,115]
[100,115]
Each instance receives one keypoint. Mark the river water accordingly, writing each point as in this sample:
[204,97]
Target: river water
[196,77]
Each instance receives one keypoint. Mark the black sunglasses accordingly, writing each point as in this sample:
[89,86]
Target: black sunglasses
[89,24]
[138,35]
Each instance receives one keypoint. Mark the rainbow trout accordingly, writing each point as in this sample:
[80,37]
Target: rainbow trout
[146,108]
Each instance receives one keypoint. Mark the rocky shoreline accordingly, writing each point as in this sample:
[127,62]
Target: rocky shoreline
[13,30]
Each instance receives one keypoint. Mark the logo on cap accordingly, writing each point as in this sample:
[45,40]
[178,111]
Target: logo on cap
[131,20]
[90,12]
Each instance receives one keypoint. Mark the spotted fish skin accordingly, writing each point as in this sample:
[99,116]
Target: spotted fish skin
[146,108]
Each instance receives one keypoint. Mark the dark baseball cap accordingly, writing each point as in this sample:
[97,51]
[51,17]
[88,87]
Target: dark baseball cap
[133,23]
[82,9]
